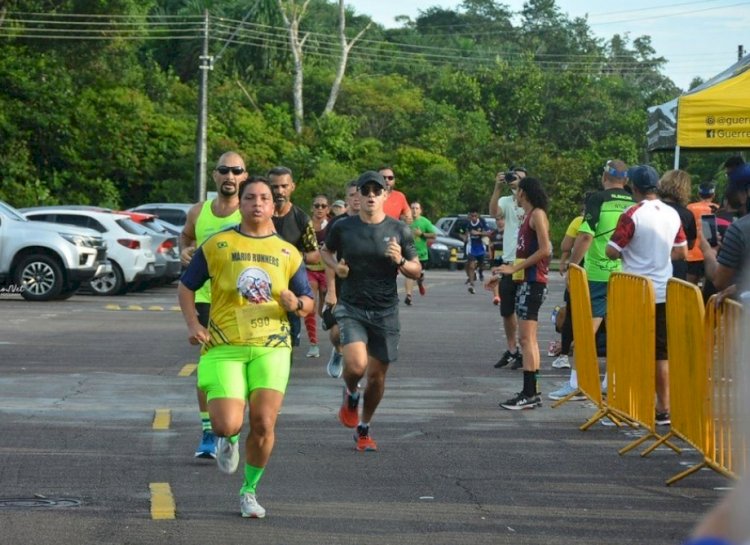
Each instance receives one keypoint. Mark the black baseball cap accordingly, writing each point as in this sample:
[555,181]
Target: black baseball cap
[371,176]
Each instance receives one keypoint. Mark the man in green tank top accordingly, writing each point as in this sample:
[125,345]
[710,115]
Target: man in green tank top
[203,220]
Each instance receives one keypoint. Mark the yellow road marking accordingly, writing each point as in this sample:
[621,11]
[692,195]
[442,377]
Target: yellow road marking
[112,307]
[187,370]
[161,419]
[155,307]
[162,501]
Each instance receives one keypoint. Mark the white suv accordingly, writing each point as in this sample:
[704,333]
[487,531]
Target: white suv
[128,250]
[42,261]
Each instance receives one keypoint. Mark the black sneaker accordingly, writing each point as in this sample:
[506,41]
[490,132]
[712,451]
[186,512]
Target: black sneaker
[505,360]
[407,300]
[522,402]
[517,360]
[662,419]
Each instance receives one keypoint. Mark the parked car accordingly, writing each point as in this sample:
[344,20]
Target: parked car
[174,213]
[440,250]
[166,248]
[128,249]
[165,244]
[44,261]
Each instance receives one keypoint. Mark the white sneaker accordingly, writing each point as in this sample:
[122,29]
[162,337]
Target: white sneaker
[250,507]
[561,362]
[227,455]
[314,351]
[335,364]
[565,391]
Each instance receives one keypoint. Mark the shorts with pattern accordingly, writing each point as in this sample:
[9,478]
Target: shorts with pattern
[529,299]
[379,329]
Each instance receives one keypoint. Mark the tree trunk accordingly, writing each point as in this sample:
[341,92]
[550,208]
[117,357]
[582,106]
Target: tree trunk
[292,15]
[345,49]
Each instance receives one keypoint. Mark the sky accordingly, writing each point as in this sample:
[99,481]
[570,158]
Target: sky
[698,38]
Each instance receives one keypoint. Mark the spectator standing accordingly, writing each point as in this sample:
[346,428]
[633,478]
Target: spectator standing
[648,237]
[496,253]
[704,206]
[530,270]
[602,211]
[728,269]
[674,190]
[512,214]
[423,231]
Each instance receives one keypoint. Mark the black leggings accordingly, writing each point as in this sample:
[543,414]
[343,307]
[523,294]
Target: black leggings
[567,327]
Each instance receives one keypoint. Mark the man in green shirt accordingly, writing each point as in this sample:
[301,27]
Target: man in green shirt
[423,231]
[602,211]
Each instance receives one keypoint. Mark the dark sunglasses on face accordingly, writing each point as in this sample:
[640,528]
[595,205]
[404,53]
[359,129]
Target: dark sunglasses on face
[225,170]
[374,189]
[320,205]
[389,177]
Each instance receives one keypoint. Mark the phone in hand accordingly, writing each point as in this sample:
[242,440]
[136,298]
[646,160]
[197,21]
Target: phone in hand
[709,229]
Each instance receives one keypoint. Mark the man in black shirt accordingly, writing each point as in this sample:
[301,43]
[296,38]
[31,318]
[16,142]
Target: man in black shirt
[293,225]
[373,248]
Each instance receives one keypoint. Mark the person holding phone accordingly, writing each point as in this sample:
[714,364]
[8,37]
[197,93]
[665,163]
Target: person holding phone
[704,206]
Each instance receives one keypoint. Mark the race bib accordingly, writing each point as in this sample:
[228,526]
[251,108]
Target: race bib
[519,275]
[257,322]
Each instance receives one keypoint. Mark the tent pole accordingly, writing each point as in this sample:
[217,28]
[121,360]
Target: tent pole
[676,157]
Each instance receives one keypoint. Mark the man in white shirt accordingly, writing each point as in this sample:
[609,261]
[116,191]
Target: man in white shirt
[648,237]
[512,213]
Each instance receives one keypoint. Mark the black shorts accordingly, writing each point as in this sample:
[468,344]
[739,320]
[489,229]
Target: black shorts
[529,299]
[696,268]
[661,332]
[508,289]
[379,329]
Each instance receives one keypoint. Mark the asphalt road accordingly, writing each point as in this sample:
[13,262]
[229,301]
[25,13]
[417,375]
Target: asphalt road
[80,384]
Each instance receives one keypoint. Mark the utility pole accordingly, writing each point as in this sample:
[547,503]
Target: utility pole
[206,64]
[740,52]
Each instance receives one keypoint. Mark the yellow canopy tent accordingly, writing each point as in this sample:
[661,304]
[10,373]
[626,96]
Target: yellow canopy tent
[717,117]
[716,114]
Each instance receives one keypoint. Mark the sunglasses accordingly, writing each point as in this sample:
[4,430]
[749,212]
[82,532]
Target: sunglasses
[368,189]
[389,177]
[225,170]
[320,205]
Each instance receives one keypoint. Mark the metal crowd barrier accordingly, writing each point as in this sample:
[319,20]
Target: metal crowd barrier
[584,351]
[631,359]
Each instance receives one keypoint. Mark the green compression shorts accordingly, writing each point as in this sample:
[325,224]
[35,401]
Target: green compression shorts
[235,371]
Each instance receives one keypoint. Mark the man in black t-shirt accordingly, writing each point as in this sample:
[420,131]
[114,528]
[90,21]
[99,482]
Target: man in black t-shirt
[372,249]
[293,225]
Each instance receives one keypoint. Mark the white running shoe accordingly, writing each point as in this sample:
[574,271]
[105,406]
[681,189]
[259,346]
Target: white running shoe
[565,391]
[250,507]
[227,455]
[335,364]
[561,362]
[314,351]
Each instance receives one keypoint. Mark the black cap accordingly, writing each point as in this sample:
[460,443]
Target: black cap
[371,176]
